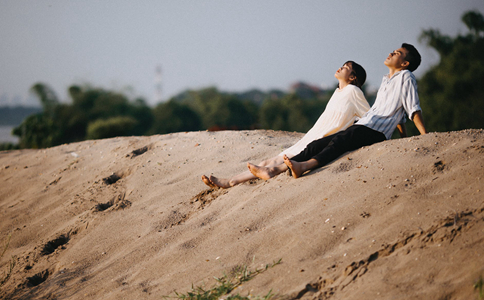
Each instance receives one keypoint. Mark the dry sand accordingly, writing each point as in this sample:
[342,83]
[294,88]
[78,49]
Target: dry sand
[129,218]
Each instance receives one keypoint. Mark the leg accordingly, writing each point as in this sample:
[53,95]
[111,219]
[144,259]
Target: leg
[313,148]
[304,161]
[207,181]
[353,138]
[299,168]
[266,172]
[237,179]
[213,181]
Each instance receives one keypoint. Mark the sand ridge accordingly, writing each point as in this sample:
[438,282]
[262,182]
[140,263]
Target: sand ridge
[130,218]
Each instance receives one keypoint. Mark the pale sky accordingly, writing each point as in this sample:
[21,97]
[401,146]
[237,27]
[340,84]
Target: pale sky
[233,45]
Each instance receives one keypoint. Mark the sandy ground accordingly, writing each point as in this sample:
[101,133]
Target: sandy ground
[129,218]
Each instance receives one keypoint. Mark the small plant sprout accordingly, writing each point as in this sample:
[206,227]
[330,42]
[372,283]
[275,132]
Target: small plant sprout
[479,286]
[11,265]
[226,284]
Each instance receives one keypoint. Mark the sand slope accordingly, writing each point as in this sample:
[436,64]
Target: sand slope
[129,218]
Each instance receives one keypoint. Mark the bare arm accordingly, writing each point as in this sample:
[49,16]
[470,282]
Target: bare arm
[418,120]
[402,130]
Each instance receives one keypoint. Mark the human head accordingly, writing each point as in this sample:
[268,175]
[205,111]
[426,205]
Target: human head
[412,56]
[359,74]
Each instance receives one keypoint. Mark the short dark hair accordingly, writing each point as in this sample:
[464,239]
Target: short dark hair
[413,57]
[359,73]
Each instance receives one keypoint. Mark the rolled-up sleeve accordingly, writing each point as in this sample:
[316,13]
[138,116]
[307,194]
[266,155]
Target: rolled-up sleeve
[411,102]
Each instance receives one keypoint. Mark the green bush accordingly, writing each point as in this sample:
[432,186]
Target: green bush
[8,146]
[111,127]
[37,131]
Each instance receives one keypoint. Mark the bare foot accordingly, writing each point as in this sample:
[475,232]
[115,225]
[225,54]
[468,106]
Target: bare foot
[220,182]
[207,181]
[259,171]
[295,167]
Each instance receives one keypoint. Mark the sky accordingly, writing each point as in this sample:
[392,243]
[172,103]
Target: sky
[232,45]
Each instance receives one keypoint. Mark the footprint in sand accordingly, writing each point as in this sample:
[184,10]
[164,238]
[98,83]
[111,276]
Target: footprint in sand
[139,151]
[439,166]
[111,179]
[343,167]
[206,197]
[116,203]
[38,278]
[116,176]
[52,245]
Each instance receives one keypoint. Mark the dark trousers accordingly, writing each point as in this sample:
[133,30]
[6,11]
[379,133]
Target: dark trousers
[331,147]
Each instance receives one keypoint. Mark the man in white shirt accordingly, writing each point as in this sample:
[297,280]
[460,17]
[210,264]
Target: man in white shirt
[396,96]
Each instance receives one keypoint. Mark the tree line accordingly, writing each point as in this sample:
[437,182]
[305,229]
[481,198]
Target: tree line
[96,113]
[450,93]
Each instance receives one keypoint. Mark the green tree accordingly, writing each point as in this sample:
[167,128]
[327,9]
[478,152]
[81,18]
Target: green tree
[220,110]
[92,104]
[47,97]
[40,130]
[143,114]
[450,92]
[93,113]
[174,117]
[291,113]
[228,113]
[37,131]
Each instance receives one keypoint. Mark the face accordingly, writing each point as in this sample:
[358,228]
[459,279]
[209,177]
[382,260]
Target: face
[345,73]
[396,59]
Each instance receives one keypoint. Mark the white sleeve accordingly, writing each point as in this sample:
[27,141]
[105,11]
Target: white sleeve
[411,102]
[360,104]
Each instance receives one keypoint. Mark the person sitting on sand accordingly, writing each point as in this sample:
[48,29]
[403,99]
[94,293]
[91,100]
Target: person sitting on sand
[346,105]
[397,94]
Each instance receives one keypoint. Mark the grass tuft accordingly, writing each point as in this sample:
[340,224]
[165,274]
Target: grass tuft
[226,284]
[7,275]
[479,286]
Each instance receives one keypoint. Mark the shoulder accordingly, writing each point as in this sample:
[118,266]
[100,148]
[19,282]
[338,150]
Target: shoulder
[353,89]
[358,94]
[406,75]
[356,97]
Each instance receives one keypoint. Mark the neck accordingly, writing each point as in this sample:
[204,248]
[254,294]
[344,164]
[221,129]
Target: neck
[343,84]
[393,71]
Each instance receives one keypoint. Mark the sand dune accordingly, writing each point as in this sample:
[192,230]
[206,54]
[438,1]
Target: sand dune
[129,218]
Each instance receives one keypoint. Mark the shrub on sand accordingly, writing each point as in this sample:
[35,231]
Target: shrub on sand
[226,284]
[7,275]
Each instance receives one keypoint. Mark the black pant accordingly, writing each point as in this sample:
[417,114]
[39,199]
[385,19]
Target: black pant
[331,147]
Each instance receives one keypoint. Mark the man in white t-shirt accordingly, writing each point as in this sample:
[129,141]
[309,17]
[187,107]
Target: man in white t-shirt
[396,96]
